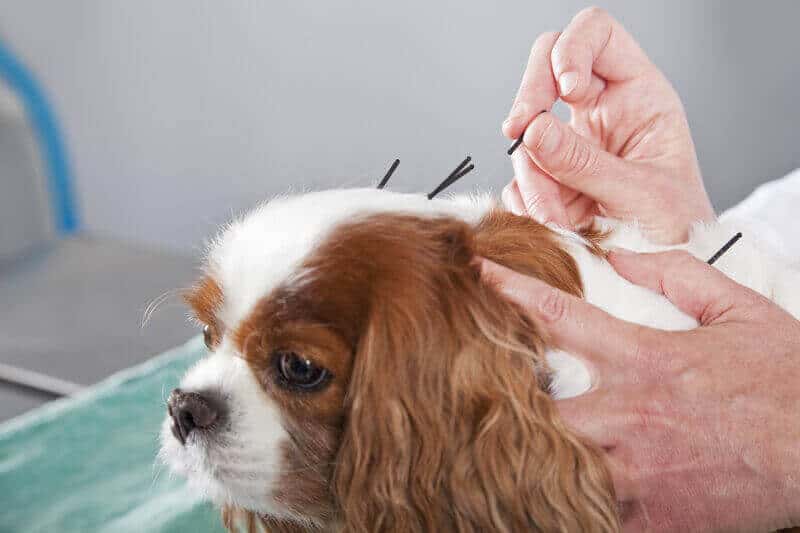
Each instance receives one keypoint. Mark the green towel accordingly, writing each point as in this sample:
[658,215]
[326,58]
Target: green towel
[88,463]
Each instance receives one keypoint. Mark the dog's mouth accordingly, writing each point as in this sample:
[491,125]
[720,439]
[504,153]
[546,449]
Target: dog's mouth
[216,468]
[193,457]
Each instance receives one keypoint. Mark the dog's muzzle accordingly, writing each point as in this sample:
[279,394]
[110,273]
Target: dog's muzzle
[191,411]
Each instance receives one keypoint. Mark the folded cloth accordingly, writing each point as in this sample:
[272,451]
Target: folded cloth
[87,463]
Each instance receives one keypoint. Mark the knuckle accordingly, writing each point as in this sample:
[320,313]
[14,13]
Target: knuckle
[760,305]
[543,40]
[566,52]
[642,418]
[539,128]
[533,202]
[527,89]
[646,348]
[591,14]
[568,156]
[652,411]
[657,356]
[679,257]
[675,263]
[580,158]
[669,364]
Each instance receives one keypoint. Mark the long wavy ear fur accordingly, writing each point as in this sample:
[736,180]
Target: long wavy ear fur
[450,426]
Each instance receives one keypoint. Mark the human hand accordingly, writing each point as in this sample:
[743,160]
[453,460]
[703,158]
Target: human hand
[701,427]
[627,153]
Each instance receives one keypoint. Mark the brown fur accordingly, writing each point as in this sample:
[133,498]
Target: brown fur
[438,416]
[529,248]
[595,237]
[205,299]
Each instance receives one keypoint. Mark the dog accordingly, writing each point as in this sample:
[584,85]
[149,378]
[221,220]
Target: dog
[362,376]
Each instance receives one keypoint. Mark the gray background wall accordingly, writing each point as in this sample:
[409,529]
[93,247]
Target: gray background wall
[178,113]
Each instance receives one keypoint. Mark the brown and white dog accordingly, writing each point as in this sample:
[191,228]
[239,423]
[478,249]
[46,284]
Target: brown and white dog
[362,377]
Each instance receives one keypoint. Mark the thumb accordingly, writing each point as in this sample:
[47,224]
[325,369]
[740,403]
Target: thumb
[573,161]
[693,286]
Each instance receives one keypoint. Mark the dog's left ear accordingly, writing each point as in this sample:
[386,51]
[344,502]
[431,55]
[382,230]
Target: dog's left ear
[449,424]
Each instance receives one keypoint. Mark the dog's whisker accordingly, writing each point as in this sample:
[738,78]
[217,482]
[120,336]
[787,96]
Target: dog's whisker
[157,469]
[156,302]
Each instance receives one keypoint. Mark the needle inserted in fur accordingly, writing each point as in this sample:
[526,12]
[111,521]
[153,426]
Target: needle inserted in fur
[460,171]
[519,141]
[724,248]
[389,173]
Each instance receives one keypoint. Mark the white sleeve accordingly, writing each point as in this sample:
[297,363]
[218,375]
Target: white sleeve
[767,259]
[773,212]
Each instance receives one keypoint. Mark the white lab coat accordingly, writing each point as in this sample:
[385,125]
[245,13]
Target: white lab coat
[773,210]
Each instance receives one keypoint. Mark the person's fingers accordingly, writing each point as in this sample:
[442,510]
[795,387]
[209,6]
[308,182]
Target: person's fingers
[575,162]
[512,199]
[624,486]
[540,195]
[693,286]
[596,86]
[581,211]
[594,42]
[596,415]
[570,323]
[537,91]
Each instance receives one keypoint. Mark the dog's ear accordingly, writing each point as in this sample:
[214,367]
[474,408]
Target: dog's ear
[449,423]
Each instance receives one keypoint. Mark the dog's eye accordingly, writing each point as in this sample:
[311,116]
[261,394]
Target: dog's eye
[208,337]
[299,372]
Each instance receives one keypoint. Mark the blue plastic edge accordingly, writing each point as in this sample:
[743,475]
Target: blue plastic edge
[48,134]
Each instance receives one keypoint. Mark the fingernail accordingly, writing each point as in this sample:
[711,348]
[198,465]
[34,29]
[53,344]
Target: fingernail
[567,82]
[550,138]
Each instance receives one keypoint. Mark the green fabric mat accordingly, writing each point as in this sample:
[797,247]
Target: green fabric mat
[87,463]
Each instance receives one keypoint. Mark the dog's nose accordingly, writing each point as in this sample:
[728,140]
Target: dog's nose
[189,410]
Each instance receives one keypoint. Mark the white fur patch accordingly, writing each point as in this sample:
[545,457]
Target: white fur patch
[240,461]
[261,250]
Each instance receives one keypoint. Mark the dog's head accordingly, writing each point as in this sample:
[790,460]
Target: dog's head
[362,377]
